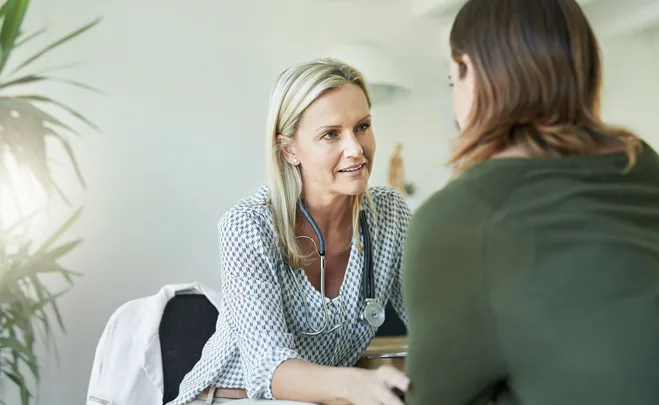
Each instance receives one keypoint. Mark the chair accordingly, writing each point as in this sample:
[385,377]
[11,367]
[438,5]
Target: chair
[187,323]
[393,325]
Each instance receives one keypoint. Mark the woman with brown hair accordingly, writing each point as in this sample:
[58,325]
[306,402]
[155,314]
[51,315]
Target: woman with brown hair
[533,276]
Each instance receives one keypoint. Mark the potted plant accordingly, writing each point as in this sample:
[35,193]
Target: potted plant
[28,308]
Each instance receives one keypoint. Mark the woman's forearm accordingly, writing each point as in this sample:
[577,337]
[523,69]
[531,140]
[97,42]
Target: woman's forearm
[299,380]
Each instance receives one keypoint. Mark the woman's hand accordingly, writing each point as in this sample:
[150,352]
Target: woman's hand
[302,381]
[377,387]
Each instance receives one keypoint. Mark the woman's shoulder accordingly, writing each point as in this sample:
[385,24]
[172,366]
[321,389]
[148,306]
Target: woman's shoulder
[386,199]
[471,198]
[391,209]
[252,210]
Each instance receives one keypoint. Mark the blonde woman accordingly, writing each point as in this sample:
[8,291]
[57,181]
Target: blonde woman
[278,336]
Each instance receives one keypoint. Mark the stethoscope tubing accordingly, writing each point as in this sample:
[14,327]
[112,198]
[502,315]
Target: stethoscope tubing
[368,286]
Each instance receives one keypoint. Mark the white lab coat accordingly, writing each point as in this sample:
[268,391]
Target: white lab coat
[127,368]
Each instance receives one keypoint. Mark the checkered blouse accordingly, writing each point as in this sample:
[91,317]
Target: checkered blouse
[263,301]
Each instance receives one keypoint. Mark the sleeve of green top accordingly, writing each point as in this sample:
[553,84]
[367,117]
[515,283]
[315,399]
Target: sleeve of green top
[453,356]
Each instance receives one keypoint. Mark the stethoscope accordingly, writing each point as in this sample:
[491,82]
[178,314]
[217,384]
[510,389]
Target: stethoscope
[372,313]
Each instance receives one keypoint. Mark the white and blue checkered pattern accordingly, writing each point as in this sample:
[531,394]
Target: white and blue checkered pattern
[262,311]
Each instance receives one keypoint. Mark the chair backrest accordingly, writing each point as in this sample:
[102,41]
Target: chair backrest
[187,323]
[393,325]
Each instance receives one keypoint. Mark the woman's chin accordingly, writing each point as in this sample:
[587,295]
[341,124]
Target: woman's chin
[353,188]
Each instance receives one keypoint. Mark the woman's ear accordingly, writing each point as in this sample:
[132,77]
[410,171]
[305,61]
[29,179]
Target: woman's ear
[288,149]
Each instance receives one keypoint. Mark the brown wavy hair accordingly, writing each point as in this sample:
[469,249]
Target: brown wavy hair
[538,76]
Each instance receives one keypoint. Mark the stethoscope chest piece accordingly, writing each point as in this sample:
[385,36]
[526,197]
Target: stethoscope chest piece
[373,313]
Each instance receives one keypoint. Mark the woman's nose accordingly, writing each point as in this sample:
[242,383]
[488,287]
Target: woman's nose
[352,147]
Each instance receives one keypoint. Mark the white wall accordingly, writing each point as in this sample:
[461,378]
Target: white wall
[631,84]
[183,120]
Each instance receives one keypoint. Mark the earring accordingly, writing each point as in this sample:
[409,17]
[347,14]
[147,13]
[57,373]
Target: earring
[295,161]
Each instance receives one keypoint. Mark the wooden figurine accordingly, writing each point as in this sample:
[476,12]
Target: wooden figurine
[396,175]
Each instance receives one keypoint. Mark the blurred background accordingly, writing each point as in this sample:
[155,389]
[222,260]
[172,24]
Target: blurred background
[185,89]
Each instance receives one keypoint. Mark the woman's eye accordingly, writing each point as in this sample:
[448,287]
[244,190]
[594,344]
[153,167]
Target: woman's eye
[363,127]
[330,135]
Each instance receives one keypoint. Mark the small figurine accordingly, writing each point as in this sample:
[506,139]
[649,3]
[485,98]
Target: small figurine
[396,176]
[396,173]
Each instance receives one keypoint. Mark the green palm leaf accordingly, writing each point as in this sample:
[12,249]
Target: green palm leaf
[38,98]
[20,41]
[24,301]
[29,310]
[55,45]
[14,13]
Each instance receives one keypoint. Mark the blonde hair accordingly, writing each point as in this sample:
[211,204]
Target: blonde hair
[296,88]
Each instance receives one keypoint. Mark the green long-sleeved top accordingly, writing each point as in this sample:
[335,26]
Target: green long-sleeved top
[538,278]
